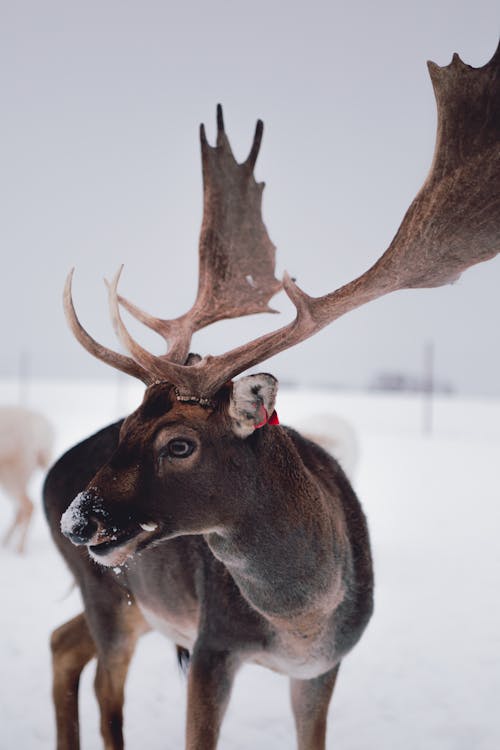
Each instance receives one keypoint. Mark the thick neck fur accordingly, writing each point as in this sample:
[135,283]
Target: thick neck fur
[288,550]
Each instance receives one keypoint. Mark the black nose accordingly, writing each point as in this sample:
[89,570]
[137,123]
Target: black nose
[79,522]
[82,532]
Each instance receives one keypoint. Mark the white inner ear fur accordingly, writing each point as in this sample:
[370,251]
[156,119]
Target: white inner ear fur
[252,400]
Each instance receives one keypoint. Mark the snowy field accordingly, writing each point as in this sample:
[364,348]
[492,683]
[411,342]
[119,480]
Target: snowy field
[426,675]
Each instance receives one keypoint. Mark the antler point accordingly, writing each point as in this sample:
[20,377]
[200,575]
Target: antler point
[220,119]
[68,283]
[257,140]
[116,277]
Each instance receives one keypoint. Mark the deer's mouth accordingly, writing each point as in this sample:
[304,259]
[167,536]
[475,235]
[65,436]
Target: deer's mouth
[115,549]
[119,539]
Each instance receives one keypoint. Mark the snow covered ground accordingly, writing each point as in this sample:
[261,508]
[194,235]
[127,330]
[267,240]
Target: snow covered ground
[426,675]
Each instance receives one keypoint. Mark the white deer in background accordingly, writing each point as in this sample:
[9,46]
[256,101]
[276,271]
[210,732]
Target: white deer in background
[26,441]
[336,435]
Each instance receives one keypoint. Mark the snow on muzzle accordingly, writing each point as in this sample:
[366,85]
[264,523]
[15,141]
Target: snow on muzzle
[88,522]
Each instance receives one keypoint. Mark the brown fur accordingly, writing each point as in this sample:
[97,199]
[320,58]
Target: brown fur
[260,553]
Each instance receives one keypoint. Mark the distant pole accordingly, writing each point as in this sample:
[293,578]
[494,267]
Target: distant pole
[23,376]
[428,389]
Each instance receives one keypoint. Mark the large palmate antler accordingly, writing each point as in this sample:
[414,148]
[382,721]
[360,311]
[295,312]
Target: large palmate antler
[236,256]
[236,264]
[453,223]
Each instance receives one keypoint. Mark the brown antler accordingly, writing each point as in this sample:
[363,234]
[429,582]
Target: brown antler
[118,361]
[236,256]
[453,223]
[236,265]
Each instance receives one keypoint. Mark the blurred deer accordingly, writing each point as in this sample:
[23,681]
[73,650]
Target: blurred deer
[336,435]
[199,514]
[26,440]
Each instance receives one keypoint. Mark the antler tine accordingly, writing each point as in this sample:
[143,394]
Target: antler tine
[221,133]
[177,332]
[151,363]
[159,325]
[187,378]
[167,329]
[254,151]
[118,361]
[203,136]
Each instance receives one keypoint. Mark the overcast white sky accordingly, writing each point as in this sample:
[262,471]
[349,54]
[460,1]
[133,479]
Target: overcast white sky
[100,106]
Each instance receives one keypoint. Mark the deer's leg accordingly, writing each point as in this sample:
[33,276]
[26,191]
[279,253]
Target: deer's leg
[210,679]
[21,521]
[116,638]
[110,688]
[310,701]
[24,522]
[6,537]
[72,647]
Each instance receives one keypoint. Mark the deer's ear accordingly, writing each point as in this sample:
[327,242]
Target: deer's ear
[252,402]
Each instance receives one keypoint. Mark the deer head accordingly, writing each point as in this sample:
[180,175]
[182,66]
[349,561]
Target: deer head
[180,468]
[195,425]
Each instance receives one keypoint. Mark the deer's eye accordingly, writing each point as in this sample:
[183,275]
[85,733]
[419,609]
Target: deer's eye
[180,448]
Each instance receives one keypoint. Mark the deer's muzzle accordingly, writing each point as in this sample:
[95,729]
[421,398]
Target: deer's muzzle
[84,518]
[109,541]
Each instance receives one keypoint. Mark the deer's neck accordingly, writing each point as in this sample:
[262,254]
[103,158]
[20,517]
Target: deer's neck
[287,552]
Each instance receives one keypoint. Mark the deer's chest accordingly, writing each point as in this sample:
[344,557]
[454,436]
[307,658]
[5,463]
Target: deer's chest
[296,664]
[181,628]
[287,655]
[300,655]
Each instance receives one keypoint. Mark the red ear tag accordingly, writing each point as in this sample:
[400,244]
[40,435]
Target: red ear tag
[273,419]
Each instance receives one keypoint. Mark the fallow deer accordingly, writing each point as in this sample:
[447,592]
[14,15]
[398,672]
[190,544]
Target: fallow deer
[236,537]
[26,440]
